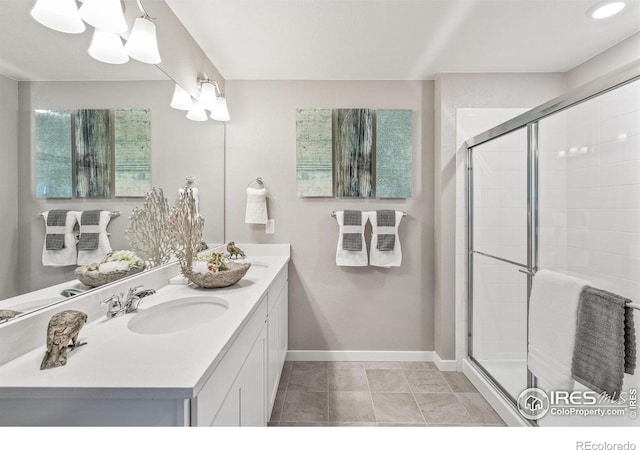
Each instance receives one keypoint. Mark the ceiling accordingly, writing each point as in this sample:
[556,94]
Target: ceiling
[30,51]
[397,39]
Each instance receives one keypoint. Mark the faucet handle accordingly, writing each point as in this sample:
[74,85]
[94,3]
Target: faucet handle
[134,289]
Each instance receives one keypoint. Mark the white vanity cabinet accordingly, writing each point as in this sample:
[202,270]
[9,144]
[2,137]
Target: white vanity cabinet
[242,389]
[278,330]
[222,374]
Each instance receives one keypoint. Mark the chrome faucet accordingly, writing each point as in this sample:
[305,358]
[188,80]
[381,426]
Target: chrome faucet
[121,304]
[115,305]
[134,297]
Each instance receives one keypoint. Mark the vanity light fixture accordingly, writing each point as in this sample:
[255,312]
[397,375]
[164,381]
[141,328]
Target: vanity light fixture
[59,15]
[143,44]
[197,113]
[181,99]
[108,48]
[105,15]
[221,113]
[208,98]
[604,9]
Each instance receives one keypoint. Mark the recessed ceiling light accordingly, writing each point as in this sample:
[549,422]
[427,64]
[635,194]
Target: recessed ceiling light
[605,9]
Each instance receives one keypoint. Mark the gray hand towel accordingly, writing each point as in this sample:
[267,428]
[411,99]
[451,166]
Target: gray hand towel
[629,342]
[386,218]
[599,353]
[56,218]
[352,241]
[89,241]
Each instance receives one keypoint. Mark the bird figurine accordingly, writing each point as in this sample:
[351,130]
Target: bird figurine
[6,314]
[234,252]
[63,328]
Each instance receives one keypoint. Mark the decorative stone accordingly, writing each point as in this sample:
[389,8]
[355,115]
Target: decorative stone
[63,328]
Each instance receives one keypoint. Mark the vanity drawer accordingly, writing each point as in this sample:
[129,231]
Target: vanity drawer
[210,399]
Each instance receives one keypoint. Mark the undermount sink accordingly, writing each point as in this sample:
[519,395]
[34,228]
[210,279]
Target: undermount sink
[178,315]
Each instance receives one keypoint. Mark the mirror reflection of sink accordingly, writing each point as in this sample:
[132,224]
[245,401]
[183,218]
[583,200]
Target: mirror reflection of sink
[178,315]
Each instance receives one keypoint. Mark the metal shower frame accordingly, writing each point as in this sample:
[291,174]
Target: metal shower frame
[529,120]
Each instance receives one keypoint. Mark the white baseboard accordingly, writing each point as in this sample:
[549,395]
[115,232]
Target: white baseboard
[357,355]
[444,365]
[366,355]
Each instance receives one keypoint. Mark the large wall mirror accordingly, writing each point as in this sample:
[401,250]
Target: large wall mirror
[45,70]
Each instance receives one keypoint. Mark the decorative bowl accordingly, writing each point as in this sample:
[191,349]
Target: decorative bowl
[95,278]
[221,278]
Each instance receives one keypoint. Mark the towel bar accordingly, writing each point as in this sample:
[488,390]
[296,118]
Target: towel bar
[333,214]
[114,214]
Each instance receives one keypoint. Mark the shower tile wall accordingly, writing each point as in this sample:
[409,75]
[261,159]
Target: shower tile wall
[601,157]
[499,316]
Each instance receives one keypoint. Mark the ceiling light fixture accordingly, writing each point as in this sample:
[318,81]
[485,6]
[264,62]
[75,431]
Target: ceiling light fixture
[105,15]
[107,48]
[208,98]
[197,113]
[602,10]
[181,99]
[59,15]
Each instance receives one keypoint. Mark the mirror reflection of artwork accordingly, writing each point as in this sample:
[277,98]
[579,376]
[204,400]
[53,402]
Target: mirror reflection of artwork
[394,153]
[53,154]
[314,159]
[353,144]
[132,152]
[93,137]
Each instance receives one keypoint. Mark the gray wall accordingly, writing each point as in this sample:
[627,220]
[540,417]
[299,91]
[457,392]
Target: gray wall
[8,186]
[179,148]
[334,308]
[454,91]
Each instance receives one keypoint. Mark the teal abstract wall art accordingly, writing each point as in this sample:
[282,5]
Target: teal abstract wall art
[353,139]
[53,155]
[314,158]
[132,152]
[394,153]
[93,137]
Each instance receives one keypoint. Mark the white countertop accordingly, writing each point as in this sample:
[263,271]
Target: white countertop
[117,362]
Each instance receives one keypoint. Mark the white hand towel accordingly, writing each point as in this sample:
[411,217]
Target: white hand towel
[347,257]
[553,313]
[256,206]
[68,255]
[86,257]
[389,258]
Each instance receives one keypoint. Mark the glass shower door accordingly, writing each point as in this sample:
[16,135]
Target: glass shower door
[498,240]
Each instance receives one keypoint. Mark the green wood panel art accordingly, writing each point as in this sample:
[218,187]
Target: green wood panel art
[314,159]
[394,153]
[132,152]
[93,137]
[353,137]
[53,154]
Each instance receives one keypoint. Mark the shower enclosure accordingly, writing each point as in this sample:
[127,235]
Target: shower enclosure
[558,188]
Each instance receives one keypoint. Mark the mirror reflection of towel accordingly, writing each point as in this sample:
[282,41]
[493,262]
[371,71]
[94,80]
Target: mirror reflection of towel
[88,240]
[97,254]
[59,248]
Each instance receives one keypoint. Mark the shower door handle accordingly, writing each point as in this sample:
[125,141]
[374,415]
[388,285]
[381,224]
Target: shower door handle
[527,271]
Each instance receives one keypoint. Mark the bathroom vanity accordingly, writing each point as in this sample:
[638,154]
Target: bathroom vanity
[188,357]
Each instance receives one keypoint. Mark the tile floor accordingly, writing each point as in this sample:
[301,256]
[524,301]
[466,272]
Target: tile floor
[377,394]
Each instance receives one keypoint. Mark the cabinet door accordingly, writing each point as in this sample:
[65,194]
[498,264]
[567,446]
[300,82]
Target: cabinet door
[273,371]
[283,326]
[254,376]
[229,413]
